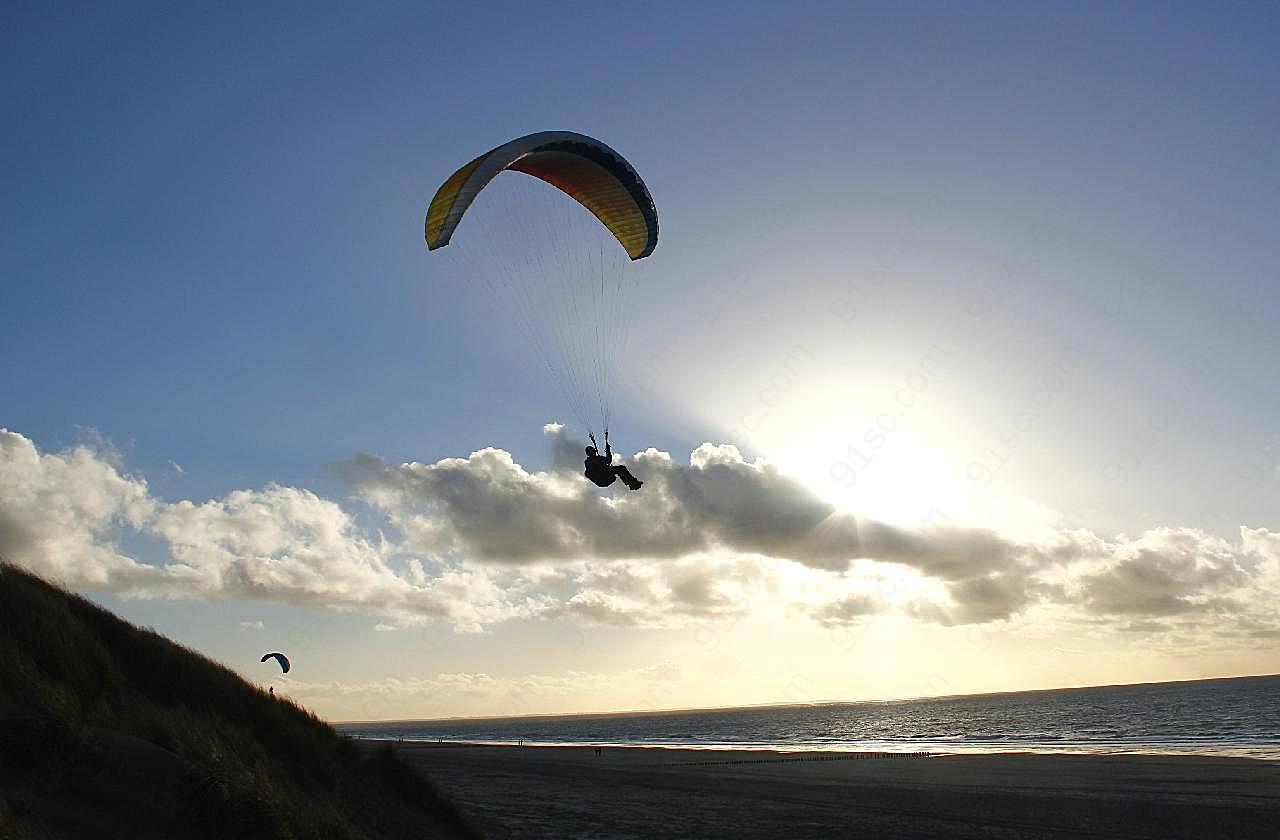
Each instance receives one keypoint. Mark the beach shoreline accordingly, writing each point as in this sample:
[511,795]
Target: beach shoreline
[633,791]
[895,750]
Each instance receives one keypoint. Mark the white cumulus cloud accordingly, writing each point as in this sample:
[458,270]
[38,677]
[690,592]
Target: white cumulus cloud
[480,540]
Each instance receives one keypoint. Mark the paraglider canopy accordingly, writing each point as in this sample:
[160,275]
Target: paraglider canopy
[279,657]
[546,247]
[587,170]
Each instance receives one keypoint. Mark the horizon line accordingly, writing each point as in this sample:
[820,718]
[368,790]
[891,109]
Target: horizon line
[810,704]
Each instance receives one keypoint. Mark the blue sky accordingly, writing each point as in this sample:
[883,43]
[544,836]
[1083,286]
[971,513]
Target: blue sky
[212,264]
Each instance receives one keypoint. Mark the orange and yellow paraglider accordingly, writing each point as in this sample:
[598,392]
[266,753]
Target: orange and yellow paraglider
[557,269]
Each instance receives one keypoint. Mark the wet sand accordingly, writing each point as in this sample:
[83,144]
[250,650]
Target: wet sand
[570,792]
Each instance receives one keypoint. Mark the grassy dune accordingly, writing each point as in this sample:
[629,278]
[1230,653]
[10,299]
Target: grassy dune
[110,730]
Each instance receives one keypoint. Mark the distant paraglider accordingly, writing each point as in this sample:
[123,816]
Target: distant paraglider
[279,657]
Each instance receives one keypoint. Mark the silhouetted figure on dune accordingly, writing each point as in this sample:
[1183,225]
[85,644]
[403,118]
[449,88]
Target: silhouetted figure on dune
[601,470]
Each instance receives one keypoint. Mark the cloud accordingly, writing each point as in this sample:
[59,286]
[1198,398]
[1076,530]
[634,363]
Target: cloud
[1263,548]
[663,594]
[483,695]
[64,515]
[851,609]
[492,509]
[61,514]
[1165,572]
[480,540]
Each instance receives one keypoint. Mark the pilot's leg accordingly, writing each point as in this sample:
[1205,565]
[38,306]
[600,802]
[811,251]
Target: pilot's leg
[627,478]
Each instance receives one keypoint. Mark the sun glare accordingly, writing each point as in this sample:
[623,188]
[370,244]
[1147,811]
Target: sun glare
[897,478]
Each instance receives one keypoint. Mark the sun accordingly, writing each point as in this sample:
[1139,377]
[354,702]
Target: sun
[898,478]
[895,462]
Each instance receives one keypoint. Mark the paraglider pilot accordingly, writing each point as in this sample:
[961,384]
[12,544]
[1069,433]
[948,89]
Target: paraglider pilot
[601,470]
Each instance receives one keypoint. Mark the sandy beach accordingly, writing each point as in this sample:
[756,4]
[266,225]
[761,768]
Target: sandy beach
[570,792]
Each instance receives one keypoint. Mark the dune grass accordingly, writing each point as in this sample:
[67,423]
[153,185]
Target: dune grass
[101,720]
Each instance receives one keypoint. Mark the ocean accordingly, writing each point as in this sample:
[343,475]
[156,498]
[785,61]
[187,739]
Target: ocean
[1228,717]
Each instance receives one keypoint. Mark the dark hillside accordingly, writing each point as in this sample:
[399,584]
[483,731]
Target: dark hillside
[109,730]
